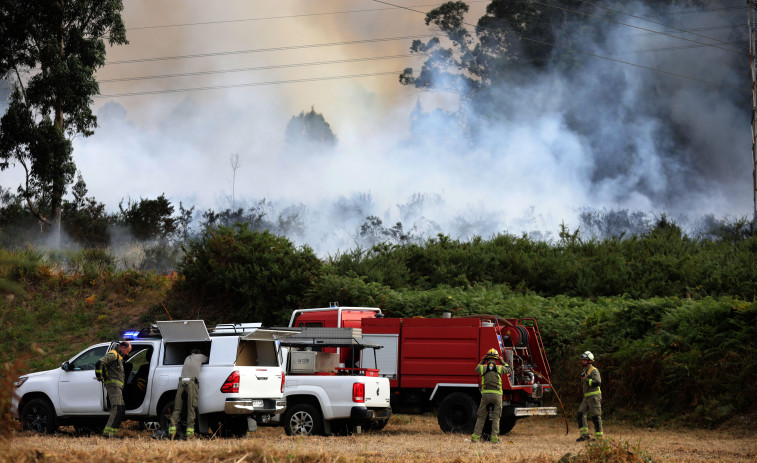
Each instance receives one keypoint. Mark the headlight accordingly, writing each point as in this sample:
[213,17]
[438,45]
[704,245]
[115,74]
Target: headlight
[20,381]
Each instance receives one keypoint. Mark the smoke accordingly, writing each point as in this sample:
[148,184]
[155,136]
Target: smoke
[610,137]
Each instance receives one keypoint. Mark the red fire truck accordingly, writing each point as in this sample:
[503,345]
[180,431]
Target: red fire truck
[430,361]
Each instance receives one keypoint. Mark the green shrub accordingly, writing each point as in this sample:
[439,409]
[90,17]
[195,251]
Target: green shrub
[252,276]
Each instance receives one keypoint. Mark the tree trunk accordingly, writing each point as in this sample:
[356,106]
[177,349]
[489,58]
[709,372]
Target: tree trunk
[59,187]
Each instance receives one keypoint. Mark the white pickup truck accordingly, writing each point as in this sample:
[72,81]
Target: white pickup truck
[325,397]
[243,378]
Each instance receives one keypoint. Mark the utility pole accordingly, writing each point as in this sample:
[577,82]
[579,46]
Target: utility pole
[752,6]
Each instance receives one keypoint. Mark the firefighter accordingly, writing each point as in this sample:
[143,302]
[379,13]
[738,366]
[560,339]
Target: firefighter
[491,393]
[592,401]
[110,370]
[187,383]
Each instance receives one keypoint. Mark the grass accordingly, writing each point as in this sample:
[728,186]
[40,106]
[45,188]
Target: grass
[411,438]
[64,313]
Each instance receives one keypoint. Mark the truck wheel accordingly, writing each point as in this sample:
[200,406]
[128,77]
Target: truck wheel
[457,413]
[38,416]
[302,420]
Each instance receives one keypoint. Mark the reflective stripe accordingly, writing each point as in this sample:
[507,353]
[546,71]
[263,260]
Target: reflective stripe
[114,381]
[487,391]
[598,391]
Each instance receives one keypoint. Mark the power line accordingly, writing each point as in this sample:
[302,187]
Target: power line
[261,68]
[704,10]
[711,28]
[541,42]
[265,50]
[326,63]
[251,84]
[638,27]
[266,18]
[344,61]
[596,5]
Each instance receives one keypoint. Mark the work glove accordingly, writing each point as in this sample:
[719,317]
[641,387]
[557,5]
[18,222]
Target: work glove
[583,374]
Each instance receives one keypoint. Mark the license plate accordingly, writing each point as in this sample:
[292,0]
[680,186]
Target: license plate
[257,403]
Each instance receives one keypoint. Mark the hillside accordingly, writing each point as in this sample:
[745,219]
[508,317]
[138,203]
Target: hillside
[663,359]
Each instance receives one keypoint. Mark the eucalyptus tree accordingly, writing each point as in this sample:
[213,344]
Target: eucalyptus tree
[51,51]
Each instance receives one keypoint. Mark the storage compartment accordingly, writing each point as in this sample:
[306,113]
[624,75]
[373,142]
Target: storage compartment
[256,354]
[310,362]
[302,361]
[176,352]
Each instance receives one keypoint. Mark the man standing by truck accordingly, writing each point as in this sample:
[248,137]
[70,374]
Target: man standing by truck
[592,401]
[491,393]
[110,370]
[187,383]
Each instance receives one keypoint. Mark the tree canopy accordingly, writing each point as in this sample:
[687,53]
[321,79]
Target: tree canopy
[309,128]
[51,50]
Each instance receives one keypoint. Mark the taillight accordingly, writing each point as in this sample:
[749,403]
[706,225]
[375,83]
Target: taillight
[358,392]
[231,385]
[282,382]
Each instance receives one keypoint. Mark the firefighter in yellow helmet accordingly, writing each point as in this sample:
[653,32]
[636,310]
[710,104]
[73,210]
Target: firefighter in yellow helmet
[110,370]
[491,393]
[592,401]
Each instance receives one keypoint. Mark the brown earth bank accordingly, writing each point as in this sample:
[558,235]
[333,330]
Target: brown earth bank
[406,438]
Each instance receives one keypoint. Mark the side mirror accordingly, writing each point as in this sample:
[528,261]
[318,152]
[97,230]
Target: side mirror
[65,366]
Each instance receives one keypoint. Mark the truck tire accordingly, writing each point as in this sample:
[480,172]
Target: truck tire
[457,413]
[302,420]
[39,416]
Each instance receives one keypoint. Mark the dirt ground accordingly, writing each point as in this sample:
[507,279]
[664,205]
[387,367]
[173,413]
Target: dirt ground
[406,438]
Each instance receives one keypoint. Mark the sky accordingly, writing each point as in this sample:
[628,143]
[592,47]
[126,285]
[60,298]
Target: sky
[685,152]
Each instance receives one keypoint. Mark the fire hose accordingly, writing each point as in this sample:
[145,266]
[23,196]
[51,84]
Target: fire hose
[565,415]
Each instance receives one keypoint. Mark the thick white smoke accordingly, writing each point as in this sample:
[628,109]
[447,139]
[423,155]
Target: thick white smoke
[657,143]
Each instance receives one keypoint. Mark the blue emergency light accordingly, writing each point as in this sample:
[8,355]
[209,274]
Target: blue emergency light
[130,334]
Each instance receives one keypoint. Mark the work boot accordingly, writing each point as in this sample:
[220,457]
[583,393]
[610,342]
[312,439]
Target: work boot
[172,432]
[584,438]
[494,440]
[475,438]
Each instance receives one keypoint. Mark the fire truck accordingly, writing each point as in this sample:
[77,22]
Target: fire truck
[430,362]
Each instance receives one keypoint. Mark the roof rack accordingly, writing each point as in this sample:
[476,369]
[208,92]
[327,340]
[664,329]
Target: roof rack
[235,328]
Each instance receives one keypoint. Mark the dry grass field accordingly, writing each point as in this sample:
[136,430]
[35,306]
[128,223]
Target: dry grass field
[406,438]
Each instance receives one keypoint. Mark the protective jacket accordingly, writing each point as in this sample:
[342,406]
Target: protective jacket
[110,369]
[491,380]
[591,381]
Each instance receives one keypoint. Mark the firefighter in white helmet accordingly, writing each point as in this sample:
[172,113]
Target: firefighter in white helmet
[592,401]
[491,393]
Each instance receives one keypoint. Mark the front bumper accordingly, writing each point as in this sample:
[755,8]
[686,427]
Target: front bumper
[370,414]
[254,406]
[535,411]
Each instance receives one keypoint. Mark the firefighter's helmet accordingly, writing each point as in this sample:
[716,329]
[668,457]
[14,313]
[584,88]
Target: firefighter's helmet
[492,353]
[587,356]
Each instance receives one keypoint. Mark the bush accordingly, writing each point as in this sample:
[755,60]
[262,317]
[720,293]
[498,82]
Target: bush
[253,276]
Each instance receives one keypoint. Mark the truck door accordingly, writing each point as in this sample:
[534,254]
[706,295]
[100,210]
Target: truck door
[259,363]
[179,338]
[78,390]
